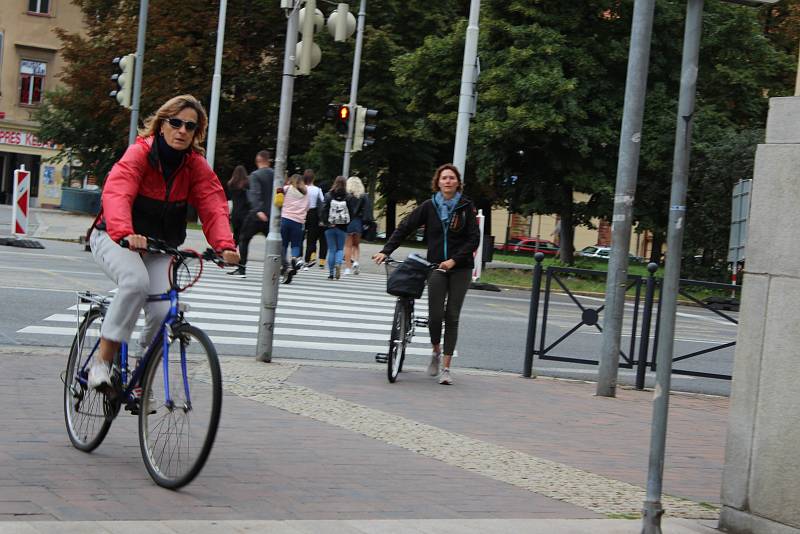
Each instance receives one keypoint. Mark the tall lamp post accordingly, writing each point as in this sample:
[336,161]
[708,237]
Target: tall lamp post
[216,83]
[651,521]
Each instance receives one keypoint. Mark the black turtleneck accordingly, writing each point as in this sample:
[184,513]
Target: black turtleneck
[170,158]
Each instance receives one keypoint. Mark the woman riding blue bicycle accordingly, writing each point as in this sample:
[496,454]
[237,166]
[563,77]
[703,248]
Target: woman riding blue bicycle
[453,236]
[146,195]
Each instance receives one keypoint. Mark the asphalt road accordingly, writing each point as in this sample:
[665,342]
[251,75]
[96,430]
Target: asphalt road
[35,284]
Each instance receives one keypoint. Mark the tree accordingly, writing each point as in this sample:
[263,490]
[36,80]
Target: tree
[179,56]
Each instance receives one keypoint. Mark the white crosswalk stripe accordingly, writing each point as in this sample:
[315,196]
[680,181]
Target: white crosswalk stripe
[314,315]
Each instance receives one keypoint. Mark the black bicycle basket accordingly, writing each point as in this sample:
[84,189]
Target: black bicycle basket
[407,279]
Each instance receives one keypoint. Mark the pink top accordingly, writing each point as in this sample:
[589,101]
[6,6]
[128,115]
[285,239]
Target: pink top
[295,205]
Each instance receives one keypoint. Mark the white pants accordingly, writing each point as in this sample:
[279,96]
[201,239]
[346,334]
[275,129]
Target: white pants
[137,276]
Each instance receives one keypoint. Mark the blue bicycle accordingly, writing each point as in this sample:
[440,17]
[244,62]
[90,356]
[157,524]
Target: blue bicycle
[176,388]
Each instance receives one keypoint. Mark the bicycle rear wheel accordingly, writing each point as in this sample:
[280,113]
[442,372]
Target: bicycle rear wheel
[176,436]
[87,412]
[397,340]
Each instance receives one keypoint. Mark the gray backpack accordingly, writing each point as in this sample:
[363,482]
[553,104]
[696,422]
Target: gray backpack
[338,213]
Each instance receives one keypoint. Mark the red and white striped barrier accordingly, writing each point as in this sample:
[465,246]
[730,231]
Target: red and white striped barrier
[22,189]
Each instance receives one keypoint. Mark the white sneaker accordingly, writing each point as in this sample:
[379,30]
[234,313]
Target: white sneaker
[433,368]
[347,271]
[444,378]
[99,374]
[356,269]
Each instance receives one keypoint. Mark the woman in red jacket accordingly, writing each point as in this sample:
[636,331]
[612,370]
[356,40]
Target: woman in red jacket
[146,195]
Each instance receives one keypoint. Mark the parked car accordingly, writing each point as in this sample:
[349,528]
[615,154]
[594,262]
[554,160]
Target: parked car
[528,245]
[603,253]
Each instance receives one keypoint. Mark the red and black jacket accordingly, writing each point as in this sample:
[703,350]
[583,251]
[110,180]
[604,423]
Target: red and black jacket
[138,199]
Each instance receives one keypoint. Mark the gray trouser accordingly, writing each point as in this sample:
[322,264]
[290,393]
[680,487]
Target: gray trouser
[136,275]
[446,293]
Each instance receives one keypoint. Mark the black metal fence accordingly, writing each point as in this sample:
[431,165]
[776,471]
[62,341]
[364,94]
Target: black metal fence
[643,304]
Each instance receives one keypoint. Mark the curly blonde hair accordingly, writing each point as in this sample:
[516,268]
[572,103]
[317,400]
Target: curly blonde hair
[355,186]
[170,108]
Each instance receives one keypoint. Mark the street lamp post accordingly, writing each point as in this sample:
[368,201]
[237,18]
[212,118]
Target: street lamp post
[468,86]
[216,83]
[651,520]
[348,144]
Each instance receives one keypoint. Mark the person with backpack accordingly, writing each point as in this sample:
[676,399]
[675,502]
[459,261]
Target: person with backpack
[335,216]
[453,237]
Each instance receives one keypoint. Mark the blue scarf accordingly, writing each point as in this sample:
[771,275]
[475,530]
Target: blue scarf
[445,207]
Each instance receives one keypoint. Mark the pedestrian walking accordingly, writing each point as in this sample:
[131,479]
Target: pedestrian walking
[259,195]
[335,215]
[146,195]
[453,236]
[293,216]
[237,190]
[314,230]
[360,212]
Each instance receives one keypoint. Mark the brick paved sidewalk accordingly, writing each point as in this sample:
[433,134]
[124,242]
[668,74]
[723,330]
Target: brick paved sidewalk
[310,441]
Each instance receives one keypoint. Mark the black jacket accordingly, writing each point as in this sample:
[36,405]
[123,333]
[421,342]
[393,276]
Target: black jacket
[259,193]
[325,208]
[359,207]
[463,233]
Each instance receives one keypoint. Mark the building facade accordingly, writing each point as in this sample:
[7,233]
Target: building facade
[30,63]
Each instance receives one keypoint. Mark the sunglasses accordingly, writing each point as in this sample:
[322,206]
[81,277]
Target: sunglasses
[177,123]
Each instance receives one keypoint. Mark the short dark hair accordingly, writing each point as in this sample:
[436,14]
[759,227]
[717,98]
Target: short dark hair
[264,155]
[308,176]
[446,166]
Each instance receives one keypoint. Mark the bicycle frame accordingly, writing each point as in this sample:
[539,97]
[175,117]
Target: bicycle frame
[172,317]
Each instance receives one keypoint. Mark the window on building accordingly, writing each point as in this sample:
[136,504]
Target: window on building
[31,75]
[39,6]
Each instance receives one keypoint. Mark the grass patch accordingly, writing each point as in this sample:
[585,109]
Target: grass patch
[194,226]
[580,263]
[624,516]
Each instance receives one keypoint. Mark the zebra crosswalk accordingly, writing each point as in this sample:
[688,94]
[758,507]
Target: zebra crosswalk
[348,319]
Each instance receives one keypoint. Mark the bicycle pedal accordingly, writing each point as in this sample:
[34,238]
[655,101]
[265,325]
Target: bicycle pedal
[381,357]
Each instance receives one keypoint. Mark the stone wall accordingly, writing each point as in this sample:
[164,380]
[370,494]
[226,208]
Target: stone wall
[761,481]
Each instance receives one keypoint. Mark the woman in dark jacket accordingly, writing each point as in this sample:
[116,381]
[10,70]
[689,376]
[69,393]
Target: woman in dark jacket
[453,236]
[237,189]
[334,216]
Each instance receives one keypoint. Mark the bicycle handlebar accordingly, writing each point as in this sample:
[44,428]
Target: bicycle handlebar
[388,260]
[158,246]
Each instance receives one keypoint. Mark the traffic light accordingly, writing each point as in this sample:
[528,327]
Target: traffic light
[307,52]
[124,79]
[340,113]
[363,130]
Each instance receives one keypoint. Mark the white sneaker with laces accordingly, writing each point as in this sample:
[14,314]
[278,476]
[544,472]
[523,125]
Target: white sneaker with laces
[347,271]
[445,378]
[99,374]
[433,367]
[356,269]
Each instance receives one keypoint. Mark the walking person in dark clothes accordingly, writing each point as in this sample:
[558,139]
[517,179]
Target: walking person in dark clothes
[237,189]
[314,231]
[335,216]
[453,236]
[260,197]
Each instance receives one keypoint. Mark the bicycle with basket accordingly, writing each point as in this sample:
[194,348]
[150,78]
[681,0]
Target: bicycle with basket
[405,280]
[180,399]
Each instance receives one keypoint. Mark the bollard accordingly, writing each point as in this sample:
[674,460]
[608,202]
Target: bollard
[644,344]
[536,287]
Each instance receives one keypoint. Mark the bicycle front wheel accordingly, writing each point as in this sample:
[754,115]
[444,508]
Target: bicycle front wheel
[398,339]
[177,431]
[87,412]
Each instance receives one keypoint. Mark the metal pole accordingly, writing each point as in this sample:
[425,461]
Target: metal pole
[137,71]
[533,315]
[467,94]
[348,144]
[272,261]
[627,173]
[216,82]
[647,314]
[651,522]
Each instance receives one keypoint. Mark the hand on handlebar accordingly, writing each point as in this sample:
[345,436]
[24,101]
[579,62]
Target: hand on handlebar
[136,242]
[231,257]
[379,258]
[446,265]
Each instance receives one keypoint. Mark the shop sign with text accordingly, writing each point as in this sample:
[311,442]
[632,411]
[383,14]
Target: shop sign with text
[22,138]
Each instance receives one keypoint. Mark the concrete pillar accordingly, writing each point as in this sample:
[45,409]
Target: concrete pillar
[761,481]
